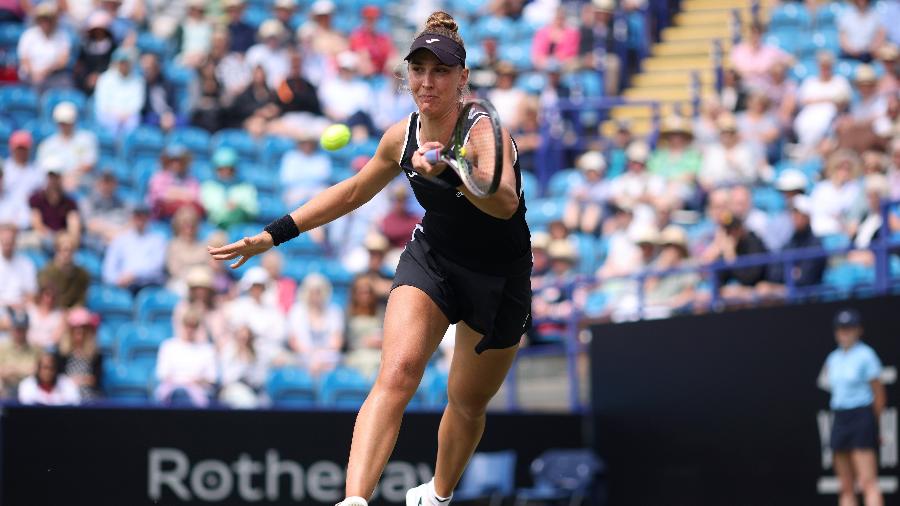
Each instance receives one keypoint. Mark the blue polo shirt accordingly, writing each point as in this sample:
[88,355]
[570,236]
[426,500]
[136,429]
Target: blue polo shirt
[849,374]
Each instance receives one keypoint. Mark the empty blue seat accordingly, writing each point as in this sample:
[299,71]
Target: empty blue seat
[291,387]
[127,385]
[39,129]
[107,340]
[19,102]
[107,142]
[789,15]
[530,185]
[239,140]
[518,54]
[343,387]
[273,148]
[494,26]
[436,388]
[149,43]
[110,301]
[155,304]
[142,170]
[543,211]
[264,178]
[836,241]
[194,139]
[140,342]
[768,199]
[10,33]
[270,208]
[489,475]
[89,261]
[144,141]
[562,181]
[532,82]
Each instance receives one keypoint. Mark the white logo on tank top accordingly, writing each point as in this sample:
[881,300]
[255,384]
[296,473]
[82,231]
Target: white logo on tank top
[429,41]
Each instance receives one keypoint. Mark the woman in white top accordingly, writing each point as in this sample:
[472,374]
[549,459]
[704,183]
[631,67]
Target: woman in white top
[186,362]
[317,325]
[819,95]
[835,199]
[871,227]
[47,386]
[47,320]
[242,371]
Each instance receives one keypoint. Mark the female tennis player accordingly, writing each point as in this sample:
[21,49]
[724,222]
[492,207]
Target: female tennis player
[468,262]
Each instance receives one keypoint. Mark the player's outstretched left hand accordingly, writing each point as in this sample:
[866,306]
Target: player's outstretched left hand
[244,248]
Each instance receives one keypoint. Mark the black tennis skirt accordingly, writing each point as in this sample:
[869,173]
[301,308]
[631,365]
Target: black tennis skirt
[854,429]
[498,307]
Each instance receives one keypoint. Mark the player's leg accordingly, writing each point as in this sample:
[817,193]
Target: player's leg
[473,381]
[865,465]
[413,327]
[843,468]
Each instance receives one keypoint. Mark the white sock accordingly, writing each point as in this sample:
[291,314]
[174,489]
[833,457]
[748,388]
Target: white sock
[353,501]
[438,498]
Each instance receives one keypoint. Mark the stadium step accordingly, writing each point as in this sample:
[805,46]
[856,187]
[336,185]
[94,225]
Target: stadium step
[662,79]
[678,33]
[640,112]
[656,63]
[698,5]
[672,94]
[639,128]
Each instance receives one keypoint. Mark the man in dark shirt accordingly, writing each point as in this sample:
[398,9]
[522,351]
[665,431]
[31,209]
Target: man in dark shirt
[296,94]
[596,42]
[159,104]
[240,33]
[736,240]
[399,222]
[803,273]
[52,211]
[69,281]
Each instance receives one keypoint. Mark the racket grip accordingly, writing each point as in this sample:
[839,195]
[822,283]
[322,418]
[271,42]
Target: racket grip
[433,156]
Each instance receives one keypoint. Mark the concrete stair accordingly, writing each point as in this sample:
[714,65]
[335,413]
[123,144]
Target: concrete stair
[686,49]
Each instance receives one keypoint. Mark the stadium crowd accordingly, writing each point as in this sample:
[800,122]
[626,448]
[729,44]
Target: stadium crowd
[140,132]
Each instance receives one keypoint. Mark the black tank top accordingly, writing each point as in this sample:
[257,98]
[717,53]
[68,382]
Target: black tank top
[461,232]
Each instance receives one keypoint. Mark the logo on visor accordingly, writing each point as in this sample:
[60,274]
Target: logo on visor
[429,41]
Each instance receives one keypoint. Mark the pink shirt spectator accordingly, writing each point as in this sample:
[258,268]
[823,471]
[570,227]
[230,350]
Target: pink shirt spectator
[754,64]
[556,42]
[168,192]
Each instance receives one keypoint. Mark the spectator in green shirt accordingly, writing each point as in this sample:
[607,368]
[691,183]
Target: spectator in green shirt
[675,158]
[227,199]
[69,281]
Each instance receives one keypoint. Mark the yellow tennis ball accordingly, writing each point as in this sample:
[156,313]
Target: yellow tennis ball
[335,137]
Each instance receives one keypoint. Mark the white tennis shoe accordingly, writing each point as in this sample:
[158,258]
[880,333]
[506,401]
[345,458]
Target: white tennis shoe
[353,501]
[424,495]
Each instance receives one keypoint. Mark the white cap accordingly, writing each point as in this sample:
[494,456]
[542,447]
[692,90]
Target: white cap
[645,234]
[802,204]
[791,180]
[254,276]
[562,249]
[591,161]
[877,183]
[271,28]
[638,151]
[285,4]
[321,7]
[65,112]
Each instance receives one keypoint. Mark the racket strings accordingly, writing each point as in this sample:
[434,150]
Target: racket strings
[479,154]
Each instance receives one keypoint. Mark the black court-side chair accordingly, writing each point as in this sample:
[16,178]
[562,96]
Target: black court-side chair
[562,477]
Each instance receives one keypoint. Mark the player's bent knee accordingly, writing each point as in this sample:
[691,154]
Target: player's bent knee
[401,378]
[470,409]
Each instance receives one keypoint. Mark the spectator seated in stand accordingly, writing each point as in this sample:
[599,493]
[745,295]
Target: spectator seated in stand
[345,97]
[95,53]
[17,271]
[552,304]
[305,171]
[119,94]
[241,35]
[17,356]
[861,31]
[835,198]
[871,227]
[375,48]
[79,358]
[754,59]
[268,324]
[52,211]
[13,205]
[243,373]
[172,186]
[866,123]
[318,33]
[282,289]
[376,272]
[48,385]
[43,51]
[76,147]
[316,326]
[23,177]
[127,263]
[69,281]
[105,214]
[364,325]
[193,36]
[728,161]
[556,40]
[161,106]
[818,97]
[802,273]
[586,200]
[733,240]
[228,200]
[676,160]
[186,362]
[201,298]
[298,102]
[505,97]
[667,293]
[400,221]
[255,107]
[270,53]
[185,250]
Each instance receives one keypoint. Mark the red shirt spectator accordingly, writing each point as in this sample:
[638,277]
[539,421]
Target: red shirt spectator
[556,40]
[51,206]
[399,222]
[173,187]
[366,40]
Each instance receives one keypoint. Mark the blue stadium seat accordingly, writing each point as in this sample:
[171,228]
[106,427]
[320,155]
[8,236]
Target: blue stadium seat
[127,385]
[489,475]
[149,43]
[588,83]
[560,475]
[270,208]
[836,241]
[595,305]
[202,170]
[141,172]
[10,33]
[107,340]
[436,388]
[40,130]
[530,185]
[768,199]
[239,140]
[155,304]
[493,26]
[19,103]
[302,246]
[827,14]
[563,181]
[89,261]
[144,141]
[532,82]
[264,178]
[845,279]
[38,257]
[542,211]
[110,302]
[140,342]
[291,387]
[273,148]
[195,139]
[343,387]
[108,143]
[790,16]
[587,252]
[518,54]
[254,16]
[53,97]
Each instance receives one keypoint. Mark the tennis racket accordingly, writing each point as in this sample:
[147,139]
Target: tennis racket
[475,151]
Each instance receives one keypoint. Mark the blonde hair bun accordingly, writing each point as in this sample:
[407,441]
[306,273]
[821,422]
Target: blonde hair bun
[440,20]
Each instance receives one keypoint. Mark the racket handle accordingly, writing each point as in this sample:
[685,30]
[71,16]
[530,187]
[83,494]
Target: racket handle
[433,156]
